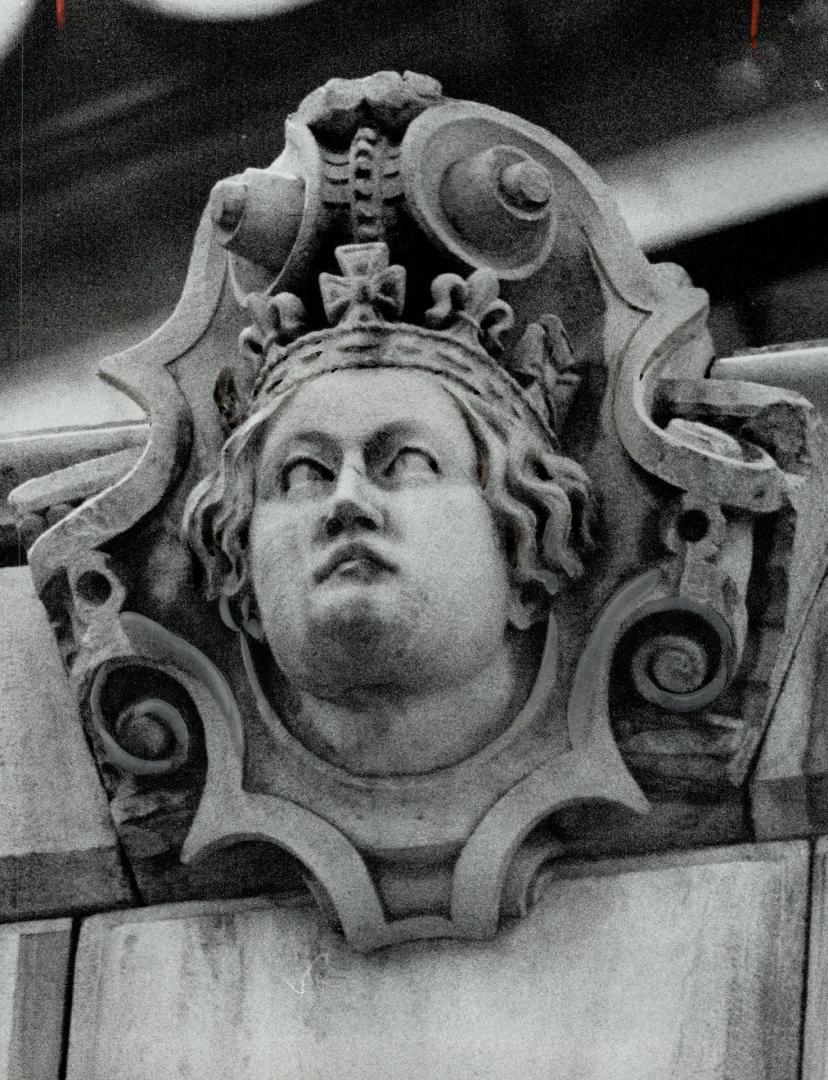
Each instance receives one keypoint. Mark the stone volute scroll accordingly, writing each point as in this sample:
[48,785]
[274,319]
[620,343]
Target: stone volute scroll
[445,556]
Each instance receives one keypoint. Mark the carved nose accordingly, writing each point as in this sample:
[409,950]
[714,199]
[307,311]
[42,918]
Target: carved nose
[353,506]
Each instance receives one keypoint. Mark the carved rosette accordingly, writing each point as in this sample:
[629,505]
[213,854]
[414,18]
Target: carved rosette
[660,667]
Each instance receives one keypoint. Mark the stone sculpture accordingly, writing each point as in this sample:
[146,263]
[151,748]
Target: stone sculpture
[389,519]
[456,549]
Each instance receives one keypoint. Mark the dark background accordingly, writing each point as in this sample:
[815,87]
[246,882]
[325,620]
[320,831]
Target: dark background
[115,128]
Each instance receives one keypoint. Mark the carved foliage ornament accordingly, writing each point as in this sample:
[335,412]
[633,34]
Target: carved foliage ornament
[438,516]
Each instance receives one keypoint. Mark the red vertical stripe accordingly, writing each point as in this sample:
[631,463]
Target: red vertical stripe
[60,13]
[754,22]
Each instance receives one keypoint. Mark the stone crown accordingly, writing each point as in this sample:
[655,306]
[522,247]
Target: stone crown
[460,338]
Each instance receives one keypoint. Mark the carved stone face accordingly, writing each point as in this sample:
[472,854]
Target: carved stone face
[374,556]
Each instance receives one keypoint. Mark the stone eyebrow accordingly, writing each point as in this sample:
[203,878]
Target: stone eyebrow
[311,437]
[378,441]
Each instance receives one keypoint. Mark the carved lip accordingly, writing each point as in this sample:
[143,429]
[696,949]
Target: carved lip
[362,555]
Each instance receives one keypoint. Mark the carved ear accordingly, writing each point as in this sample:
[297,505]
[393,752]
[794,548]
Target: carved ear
[528,604]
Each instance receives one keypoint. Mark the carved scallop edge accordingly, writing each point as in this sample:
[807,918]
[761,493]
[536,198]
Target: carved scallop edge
[593,769]
[141,373]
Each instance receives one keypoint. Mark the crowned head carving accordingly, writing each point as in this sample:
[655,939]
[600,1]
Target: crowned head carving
[390,516]
[401,477]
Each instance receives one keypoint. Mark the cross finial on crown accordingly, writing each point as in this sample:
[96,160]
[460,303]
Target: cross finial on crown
[370,289]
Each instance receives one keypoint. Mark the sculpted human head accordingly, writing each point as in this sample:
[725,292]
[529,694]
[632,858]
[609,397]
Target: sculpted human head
[383,527]
[374,558]
[398,461]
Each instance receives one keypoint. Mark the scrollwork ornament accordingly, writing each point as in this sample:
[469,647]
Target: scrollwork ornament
[390,513]
[147,737]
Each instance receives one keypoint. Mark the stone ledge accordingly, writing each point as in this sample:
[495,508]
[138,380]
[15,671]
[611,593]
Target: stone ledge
[58,851]
[687,965]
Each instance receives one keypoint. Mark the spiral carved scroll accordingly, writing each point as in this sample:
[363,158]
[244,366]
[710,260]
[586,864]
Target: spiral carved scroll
[683,654]
[142,717]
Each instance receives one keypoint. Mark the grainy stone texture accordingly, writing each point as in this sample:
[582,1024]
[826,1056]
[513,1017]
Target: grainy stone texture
[26,456]
[799,366]
[789,784]
[789,787]
[815,1048]
[34,979]
[58,851]
[422,660]
[686,966]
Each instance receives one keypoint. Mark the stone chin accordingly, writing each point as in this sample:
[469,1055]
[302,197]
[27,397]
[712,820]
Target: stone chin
[377,689]
[354,638]
[360,635]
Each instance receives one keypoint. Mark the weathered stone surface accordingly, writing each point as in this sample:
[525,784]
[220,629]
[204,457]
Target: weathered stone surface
[815,1047]
[34,982]
[58,851]
[686,966]
[789,786]
[421,659]
[24,457]
[800,366]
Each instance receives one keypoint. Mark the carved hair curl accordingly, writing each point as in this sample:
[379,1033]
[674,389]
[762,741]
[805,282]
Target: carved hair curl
[541,500]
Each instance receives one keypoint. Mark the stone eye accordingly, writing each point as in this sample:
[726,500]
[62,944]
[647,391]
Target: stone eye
[411,462]
[305,473]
